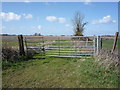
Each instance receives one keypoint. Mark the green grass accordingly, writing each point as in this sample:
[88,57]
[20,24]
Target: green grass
[9,43]
[58,72]
[15,43]
[108,44]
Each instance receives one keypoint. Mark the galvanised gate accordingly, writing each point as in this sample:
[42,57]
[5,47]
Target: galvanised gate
[64,46]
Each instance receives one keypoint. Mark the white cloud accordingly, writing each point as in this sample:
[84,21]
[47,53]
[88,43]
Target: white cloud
[87,2]
[51,18]
[69,25]
[106,19]
[39,27]
[9,16]
[55,19]
[28,16]
[61,20]
[27,1]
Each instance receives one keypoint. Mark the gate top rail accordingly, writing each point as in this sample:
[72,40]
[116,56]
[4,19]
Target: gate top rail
[55,36]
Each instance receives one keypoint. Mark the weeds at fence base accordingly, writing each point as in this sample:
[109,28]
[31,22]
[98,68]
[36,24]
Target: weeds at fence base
[108,59]
[11,57]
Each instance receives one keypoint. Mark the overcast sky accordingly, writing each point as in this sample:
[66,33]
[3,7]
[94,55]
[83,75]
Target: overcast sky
[55,18]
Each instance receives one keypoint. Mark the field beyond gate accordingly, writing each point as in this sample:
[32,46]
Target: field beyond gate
[63,46]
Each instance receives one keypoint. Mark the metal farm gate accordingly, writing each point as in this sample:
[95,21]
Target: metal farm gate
[64,46]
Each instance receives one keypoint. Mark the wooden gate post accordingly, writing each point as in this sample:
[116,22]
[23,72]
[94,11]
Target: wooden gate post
[115,41]
[21,45]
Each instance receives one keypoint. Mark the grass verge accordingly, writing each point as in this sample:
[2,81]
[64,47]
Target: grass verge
[59,72]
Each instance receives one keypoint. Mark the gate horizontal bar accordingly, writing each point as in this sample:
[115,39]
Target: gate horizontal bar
[75,41]
[73,46]
[68,51]
[68,56]
[71,54]
[34,48]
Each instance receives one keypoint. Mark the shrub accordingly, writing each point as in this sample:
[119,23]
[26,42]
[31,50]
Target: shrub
[9,54]
[108,59]
[30,53]
[11,58]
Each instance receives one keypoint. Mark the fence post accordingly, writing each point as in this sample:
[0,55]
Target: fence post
[26,46]
[98,44]
[21,45]
[115,41]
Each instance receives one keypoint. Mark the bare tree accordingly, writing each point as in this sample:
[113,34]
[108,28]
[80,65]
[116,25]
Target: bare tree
[78,24]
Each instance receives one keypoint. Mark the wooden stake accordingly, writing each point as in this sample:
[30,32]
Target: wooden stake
[115,41]
[21,45]
[101,42]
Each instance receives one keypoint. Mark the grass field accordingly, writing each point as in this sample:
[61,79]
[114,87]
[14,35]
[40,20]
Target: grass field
[58,72]
[54,72]
[108,44]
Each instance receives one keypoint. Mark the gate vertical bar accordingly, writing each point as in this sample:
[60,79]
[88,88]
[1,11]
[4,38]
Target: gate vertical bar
[97,45]
[59,44]
[75,48]
[43,53]
[40,47]
[94,45]
[87,42]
